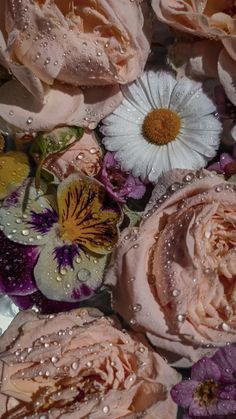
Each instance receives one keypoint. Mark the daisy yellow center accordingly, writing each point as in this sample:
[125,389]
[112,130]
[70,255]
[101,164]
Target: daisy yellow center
[161,126]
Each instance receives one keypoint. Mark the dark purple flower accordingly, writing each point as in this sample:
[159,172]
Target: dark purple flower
[65,255]
[211,390]
[120,185]
[42,222]
[16,267]
[226,165]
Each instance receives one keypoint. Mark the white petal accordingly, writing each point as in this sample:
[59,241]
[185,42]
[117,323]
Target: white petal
[188,158]
[136,96]
[118,142]
[117,128]
[205,123]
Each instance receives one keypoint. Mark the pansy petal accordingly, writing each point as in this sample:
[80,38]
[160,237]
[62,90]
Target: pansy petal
[65,273]
[27,216]
[17,263]
[14,169]
[87,216]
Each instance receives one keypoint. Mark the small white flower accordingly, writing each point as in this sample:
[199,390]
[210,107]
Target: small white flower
[162,124]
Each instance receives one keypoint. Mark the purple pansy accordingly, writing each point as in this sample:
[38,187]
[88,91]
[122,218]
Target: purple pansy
[120,185]
[60,243]
[211,390]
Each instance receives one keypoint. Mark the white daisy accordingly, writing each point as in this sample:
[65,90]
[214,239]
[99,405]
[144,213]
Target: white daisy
[162,124]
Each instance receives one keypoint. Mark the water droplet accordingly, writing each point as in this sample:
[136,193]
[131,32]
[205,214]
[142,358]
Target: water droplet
[63,271]
[106,409]
[29,121]
[175,293]
[74,366]
[93,150]
[47,61]
[181,317]
[80,156]
[137,307]
[54,359]
[25,232]
[83,275]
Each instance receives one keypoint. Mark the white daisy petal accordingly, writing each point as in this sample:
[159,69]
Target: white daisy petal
[205,123]
[118,142]
[164,146]
[112,130]
[136,96]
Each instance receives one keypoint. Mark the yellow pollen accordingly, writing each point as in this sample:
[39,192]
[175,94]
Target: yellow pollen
[205,392]
[161,126]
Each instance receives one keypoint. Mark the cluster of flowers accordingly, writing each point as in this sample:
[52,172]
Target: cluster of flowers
[118,191]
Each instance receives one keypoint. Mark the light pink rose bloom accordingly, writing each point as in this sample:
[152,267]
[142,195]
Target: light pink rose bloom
[80,365]
[212,19]
[68,59]
[84,156]
[176,273]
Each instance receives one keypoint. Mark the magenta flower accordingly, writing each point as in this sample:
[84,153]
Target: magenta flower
[226,165]
[211,390]
[120,185]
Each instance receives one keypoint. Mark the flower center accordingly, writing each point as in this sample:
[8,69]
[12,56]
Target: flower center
[205,392]
[161,126]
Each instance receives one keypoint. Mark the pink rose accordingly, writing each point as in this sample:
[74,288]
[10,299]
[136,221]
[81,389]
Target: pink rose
[68,58]
[176,273]
[80,365]
[82,156]
[212,19]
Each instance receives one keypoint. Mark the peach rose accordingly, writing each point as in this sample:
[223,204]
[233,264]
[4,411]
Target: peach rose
[62,55]
[176,273]
[82,156]
[212,19]
[80,365]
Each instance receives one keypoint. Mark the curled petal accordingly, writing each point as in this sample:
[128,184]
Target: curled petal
[74,106]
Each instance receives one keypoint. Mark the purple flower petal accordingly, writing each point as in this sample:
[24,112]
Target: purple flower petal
[120,185]
[205,369]
[82,293]
[65,255]
[182,393]
[42,222]
[17,263]
[216,167]
[225,358]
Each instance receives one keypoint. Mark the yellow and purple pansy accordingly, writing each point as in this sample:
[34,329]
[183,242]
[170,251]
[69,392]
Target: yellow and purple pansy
[66,236]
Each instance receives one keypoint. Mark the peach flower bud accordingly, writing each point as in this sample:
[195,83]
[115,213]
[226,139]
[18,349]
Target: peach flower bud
[69,59]
[80,365]
[82,156]
[176,273]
